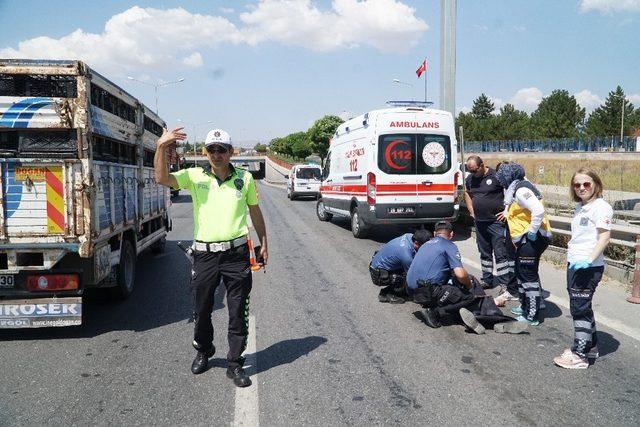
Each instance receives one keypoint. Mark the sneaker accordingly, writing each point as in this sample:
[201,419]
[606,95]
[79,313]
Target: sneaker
[505,296]
[510,327]
[395,299]
[530,322]
[570,360]
[383,297]
[471,322]
[517,311]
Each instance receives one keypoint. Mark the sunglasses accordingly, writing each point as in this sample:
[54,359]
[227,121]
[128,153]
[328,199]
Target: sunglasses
[217,149]
[577,185]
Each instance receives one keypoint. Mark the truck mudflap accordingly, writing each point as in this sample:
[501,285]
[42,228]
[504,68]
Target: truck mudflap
[40,313]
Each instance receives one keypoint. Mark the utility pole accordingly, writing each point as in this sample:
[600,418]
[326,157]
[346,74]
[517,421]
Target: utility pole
[448,55]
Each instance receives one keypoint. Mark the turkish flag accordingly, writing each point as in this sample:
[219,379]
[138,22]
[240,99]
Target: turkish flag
[422,68]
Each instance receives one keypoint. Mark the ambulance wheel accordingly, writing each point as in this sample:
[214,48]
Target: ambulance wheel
[125,271]
[292,196]
[358,226]
[323,215]
[288,195]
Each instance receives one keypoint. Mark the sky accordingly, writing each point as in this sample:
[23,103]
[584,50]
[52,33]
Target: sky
[266,68]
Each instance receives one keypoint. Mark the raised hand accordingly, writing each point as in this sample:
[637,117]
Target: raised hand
[170,137]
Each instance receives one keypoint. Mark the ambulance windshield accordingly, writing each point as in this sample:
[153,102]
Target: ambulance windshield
[414,154]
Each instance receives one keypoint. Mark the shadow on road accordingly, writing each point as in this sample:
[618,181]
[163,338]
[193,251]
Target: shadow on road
[607,344]
[160,297]
[286,352]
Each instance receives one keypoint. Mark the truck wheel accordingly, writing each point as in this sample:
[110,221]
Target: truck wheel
[323,215]
[288,194]
[292,196]
[159,245]
[358,226]
[126,271]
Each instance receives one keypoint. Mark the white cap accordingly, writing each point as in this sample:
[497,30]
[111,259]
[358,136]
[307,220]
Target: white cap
[217,137]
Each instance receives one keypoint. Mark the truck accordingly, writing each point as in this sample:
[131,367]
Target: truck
[78,198]
[396,165]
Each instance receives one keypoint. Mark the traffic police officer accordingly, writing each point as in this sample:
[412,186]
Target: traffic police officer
[484,198]
[390,264]
[429,277]
[221,195]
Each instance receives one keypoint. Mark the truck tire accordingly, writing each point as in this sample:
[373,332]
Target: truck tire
[323,215]
[358,226]
[125,271]
[292,196]
[159,246]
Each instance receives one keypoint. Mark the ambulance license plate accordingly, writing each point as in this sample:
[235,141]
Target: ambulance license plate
[401,210]
[6,281]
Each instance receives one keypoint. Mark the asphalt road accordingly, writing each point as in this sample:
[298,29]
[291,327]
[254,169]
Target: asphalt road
[326,352]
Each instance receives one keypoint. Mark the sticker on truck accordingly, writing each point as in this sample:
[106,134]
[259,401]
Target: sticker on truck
[39,313]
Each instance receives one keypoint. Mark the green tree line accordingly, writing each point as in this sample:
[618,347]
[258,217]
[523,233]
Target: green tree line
[558,116]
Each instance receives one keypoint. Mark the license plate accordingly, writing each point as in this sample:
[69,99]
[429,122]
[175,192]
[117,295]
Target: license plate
[401,210]
[40,313]
[6,281]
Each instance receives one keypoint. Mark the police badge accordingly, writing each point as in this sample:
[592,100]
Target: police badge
[239,183]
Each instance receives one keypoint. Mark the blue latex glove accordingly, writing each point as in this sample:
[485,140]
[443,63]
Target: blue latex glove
[532,237]
[583,263]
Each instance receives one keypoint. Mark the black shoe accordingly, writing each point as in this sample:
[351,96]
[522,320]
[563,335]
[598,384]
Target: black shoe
[201,362]
[395,299]
[383,297]
[431,318]
[239,377]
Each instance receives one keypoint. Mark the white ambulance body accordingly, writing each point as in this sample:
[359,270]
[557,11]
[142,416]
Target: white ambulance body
[392,166]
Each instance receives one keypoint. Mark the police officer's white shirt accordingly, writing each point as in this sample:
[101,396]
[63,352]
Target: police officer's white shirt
[584,230]
[528,200]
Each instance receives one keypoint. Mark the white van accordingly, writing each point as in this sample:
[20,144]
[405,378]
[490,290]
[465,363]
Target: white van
[304,180]
[396,165]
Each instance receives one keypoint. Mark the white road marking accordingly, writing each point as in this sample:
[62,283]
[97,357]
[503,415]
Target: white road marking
[246,408]
[600,318]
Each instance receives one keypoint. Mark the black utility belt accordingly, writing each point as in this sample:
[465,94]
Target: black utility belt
[218,246]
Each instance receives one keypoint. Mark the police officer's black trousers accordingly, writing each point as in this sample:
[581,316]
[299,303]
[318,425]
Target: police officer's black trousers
[492,239]
[233,268]
[527,263]
[581,285]
[451,298]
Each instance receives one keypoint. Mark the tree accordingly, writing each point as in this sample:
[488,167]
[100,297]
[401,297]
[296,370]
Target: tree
[468,124]
[606,119]
[280,145]
[511,123]
[300,146]
[321,132]
[482,107]
[484,126]
[558,116]
[260,148]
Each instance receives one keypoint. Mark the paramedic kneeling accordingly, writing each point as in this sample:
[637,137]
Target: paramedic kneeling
[390,264]
[428,280]
[221,195]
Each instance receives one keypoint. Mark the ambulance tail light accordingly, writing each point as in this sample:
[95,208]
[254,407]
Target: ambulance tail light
[371,188]
[456,180]
[52,282]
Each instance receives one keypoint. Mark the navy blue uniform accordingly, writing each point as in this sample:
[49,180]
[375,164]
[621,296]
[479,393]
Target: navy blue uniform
[434,262]
[396,255]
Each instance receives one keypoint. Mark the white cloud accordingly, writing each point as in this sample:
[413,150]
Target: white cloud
[387,25]
[588,100]
[346,115]
[498,103]
[143,39]
[527,99]
[194,60]
[135,39]
[609,6]
[227,10]
[635,99]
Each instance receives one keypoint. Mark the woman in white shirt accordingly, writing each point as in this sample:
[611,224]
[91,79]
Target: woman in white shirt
[590,233]
[530,234]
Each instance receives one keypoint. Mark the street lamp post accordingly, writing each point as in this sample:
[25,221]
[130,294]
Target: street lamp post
[156,86]
[400,82]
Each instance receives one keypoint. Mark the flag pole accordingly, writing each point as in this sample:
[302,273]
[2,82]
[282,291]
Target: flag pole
[425,82]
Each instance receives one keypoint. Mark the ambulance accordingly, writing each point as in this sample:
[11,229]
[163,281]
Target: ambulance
[397,165]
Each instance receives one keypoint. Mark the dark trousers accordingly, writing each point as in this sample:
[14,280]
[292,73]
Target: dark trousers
[451,298]
[492,239]
[527,263]
[581,285]
[233,268]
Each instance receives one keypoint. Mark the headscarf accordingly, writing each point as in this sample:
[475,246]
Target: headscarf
[509,176]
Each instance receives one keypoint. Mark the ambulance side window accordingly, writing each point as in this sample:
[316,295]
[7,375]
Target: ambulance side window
[434,154]
[396,154]
[327,166]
